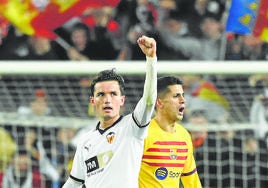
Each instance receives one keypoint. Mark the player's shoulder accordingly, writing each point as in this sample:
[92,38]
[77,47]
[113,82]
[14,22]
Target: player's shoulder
[153,123]
[125,119]
[184,134]
[86,137]
[182,129]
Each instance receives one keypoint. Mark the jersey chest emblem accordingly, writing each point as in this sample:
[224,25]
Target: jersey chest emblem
[173,154]
[110,137]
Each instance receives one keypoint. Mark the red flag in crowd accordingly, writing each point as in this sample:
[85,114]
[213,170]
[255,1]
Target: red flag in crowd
[4,23]
[58,12]
[29,20]
[261,25]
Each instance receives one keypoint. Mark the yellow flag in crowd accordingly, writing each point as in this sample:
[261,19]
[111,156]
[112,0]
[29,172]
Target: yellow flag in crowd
[19,13]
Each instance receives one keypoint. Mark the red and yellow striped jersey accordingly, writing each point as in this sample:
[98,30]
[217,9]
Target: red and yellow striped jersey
[167,158]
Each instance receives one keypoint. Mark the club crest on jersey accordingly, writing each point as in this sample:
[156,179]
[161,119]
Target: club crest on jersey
[173,154]
[110,137]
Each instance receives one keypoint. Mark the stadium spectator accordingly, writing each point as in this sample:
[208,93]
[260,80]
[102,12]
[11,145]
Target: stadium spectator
[201,9]
[37,107]
[21,174]
[202,94]
[168,150]
[179,28]
[118,26]
[125,16]
[36,139]
[40,48]
[208,160]
[214,8]
[208,47]
[104,32]
[64,153]
[246,47]
[233,48]
[39,148]
[81,48]
[117,139]
[253,48]
[140,22]
[197,120]
[259,106]
[7,149]
[181,8]
[29,143]
[14,45]
[252,153]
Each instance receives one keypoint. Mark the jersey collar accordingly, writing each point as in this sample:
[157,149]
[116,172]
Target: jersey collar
[104,130]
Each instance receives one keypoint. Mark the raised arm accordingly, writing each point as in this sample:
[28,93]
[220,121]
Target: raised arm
[147,46]
[145,106]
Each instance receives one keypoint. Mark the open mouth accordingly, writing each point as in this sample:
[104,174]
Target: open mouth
[181,110]
[107,108]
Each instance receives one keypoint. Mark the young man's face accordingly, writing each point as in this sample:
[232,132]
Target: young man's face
[21,164]
[173,103]
[79,38]
[107,100]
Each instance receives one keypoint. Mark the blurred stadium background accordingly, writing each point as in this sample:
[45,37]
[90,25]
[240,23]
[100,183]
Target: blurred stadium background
[222,159]
[231,147]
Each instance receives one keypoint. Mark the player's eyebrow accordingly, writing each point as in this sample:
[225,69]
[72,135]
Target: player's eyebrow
[179,94]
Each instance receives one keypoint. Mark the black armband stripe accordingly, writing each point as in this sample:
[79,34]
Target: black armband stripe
[189,173]
[76,179]
[137,123]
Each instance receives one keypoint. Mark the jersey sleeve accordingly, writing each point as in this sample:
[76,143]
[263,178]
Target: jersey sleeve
[70,183]
[77,172]
[189,177]
[145,107]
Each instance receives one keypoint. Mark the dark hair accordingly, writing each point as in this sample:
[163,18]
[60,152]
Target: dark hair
[107,75]
[21,151]
[81,26]
[198,113]
[165,81]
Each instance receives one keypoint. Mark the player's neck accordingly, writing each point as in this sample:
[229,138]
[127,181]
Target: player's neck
[165,124]
[105,123]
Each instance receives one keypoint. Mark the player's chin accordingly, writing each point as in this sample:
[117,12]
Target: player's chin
[107,117]
[179,117]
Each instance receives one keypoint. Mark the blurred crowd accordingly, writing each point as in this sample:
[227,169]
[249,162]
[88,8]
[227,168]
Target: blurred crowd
[184,30]
[35,156]
[227,156]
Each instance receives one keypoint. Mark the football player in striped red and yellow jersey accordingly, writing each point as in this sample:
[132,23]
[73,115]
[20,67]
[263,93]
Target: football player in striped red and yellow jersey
[168,149]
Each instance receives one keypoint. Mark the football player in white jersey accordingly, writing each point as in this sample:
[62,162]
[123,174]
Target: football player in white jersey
[109,156]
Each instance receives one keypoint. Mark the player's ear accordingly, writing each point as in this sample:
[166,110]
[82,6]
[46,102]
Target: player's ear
[123,100]
[91,100]
[158,103]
